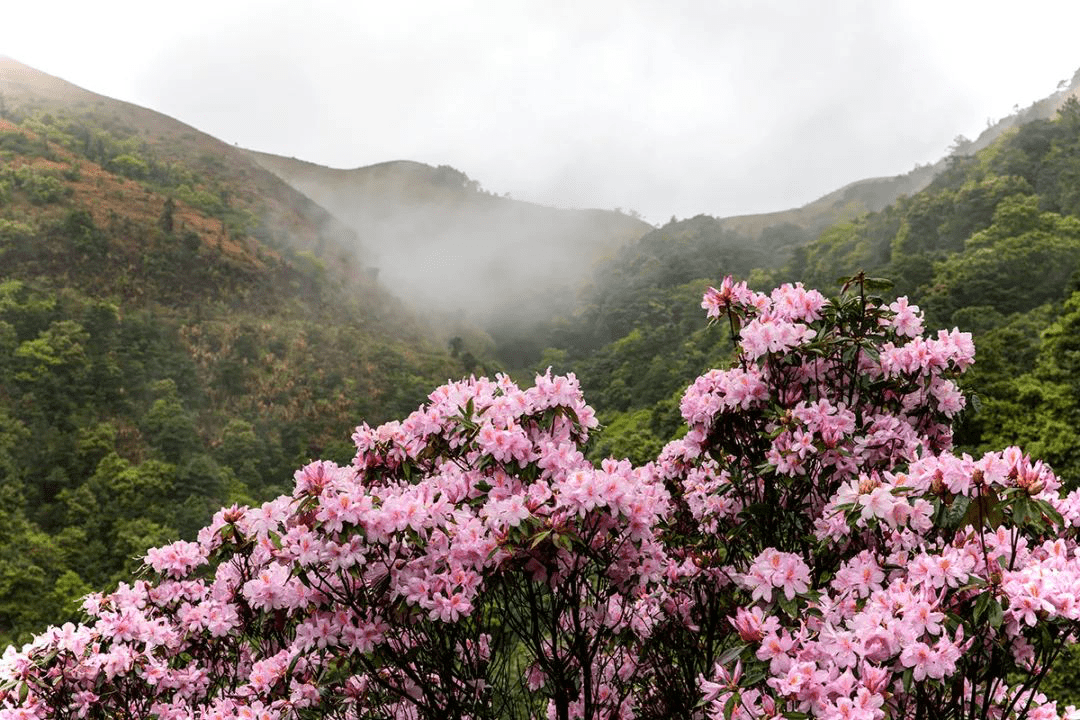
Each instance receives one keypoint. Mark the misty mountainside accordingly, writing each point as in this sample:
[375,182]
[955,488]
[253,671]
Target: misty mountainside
[991,246]
[663,271]
[440,240]
[635,288]
[179,330]
[249,216]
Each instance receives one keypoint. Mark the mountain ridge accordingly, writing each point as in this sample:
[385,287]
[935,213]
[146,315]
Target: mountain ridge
[452,245]
[875,193]
[26,90]
[179,330]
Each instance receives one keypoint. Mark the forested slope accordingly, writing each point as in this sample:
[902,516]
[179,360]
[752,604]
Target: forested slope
[170,341]
[992,245]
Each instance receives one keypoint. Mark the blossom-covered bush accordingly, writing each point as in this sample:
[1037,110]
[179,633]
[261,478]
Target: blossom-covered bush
[809,547]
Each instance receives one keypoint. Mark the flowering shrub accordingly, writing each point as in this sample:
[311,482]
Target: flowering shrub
[809,547]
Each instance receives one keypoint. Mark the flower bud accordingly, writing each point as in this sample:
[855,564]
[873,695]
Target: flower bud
[1030,482]
[937,483]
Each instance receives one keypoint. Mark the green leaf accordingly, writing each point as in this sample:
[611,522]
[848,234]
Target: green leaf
[755,676]
[871,352]
[876,283]
[292,665]
[1021,511]
[997,615]
[981,604]
[953,621]
[1049,511]
[729,706]
[953,515]
[540,537]
[730,654]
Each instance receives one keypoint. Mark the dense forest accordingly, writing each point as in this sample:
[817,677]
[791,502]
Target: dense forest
[164,349]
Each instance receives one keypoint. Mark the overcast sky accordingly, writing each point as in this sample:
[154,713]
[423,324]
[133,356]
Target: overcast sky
[665,107]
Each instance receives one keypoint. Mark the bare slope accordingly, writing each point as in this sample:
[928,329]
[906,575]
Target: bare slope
[299,222]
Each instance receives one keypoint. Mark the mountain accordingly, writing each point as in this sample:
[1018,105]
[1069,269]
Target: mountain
[875,194]
[285,216]
[179,330]
[991,245]
[184,225]
[440,239]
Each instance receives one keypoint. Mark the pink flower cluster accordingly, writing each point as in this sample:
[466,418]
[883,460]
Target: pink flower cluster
[885,615]
[809,545]
[773,569]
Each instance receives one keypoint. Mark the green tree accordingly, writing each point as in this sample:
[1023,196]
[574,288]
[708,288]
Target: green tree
[239,450]
[169,426]
[30,563]
[130,166]
[165,222]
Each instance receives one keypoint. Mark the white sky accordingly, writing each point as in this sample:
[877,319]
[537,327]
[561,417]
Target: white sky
[666,107]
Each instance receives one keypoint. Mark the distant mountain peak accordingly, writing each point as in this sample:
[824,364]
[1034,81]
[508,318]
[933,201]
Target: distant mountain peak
[443,239]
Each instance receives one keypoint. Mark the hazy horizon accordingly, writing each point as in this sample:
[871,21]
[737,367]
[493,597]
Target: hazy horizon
[724,109]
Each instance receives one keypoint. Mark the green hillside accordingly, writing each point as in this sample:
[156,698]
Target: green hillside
[991,245]
[178,330]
